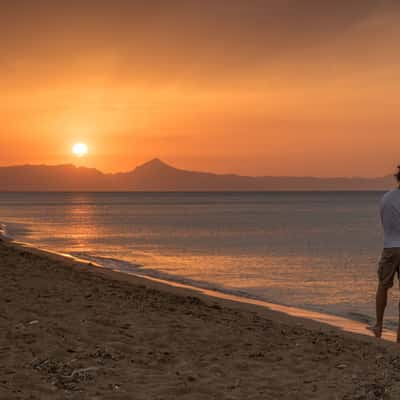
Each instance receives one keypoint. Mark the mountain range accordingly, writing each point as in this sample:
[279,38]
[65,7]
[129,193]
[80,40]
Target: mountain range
[156,175]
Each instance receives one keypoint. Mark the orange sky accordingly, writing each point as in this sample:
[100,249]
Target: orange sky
[272,87]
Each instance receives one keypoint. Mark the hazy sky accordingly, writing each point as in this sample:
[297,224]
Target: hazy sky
[272,87]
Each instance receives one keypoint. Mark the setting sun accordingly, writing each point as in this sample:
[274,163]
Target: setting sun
[80,149]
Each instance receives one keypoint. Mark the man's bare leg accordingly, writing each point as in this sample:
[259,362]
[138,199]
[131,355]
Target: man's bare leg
[381,301]
[398,328]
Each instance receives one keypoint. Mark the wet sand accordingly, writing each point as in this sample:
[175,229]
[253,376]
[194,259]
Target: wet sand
[73,331]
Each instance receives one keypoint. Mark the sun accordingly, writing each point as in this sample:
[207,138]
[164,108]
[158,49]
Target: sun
[80,149]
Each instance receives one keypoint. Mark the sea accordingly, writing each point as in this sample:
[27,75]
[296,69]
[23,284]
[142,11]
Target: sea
[312,250]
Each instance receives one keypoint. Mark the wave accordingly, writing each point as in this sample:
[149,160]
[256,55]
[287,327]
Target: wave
[3,231]
[133,268]
[14,230]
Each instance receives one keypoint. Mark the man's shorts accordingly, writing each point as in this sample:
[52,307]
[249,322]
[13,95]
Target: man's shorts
[389,266]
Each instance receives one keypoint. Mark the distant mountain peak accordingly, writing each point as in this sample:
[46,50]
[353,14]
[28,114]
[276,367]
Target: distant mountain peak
[156,161]
[154,164]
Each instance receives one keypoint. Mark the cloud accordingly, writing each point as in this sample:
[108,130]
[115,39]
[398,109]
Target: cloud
[177,41]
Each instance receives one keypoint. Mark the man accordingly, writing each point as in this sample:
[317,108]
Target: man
[389,264]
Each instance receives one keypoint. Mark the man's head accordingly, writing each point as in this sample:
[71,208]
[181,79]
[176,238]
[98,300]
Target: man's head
[397,174]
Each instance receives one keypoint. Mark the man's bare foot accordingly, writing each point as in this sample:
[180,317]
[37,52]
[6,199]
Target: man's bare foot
[377,330]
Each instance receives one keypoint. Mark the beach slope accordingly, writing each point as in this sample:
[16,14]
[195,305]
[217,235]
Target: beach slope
[69,331]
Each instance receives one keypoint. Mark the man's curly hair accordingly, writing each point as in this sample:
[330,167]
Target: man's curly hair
[397,174]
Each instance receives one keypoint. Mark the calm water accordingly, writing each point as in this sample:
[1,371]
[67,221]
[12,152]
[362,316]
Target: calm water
[313,250]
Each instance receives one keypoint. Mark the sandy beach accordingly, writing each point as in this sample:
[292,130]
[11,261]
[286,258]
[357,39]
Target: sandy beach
[70,331]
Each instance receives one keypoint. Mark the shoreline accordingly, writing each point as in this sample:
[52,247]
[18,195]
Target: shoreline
[334,321]
[73,330]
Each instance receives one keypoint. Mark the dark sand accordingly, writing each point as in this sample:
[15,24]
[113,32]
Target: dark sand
[75,332]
